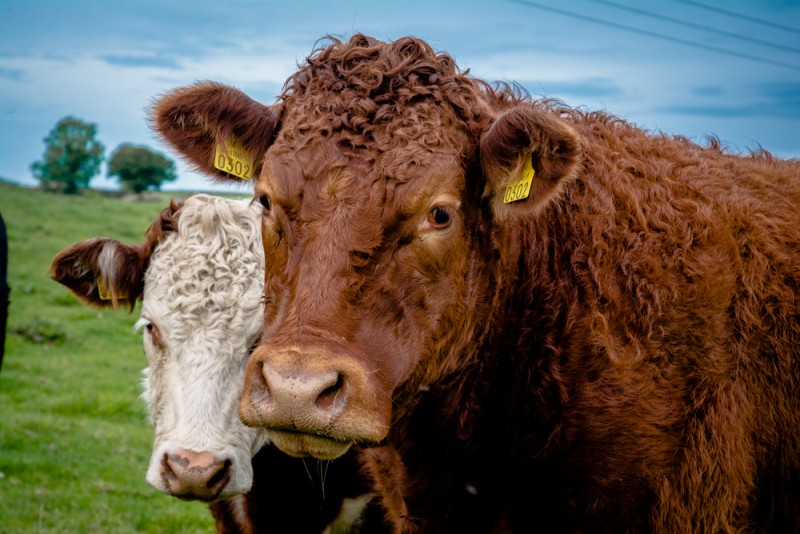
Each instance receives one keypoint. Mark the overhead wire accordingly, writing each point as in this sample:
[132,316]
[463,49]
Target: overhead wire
[695,26]
[657,35]
[734,14]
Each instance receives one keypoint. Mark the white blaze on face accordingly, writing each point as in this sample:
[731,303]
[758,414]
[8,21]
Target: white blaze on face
[202,311]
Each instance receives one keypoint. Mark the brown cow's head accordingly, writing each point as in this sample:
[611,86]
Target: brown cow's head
[382,175]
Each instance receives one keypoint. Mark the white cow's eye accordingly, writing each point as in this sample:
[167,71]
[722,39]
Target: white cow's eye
[151,331]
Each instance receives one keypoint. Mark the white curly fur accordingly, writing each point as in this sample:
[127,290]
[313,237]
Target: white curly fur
[204,297]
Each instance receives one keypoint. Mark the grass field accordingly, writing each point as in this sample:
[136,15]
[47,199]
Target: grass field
[74,439]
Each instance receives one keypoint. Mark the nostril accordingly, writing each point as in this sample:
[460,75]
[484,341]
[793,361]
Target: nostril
[329,396]
[219,479]
[261,382]
[166,469]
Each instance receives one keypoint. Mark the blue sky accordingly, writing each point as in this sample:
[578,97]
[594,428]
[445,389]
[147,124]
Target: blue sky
[695,68]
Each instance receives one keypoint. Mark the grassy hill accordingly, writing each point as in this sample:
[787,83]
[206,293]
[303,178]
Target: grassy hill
[74,439]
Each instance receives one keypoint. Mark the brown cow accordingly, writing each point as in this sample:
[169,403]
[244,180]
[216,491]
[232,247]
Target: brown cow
[553,320]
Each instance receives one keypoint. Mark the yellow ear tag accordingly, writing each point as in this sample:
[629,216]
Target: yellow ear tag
[233,159]
[105,294]
[520,189]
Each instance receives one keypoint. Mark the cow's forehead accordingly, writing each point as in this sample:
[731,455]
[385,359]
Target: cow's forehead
[208,275]
[401,146]
[360,120]
[373,130]
[320,178]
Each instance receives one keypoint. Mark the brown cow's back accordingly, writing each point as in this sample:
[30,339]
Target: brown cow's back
[677,348]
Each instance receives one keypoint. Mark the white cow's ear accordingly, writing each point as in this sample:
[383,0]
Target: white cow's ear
[220,130]
[527,155]
[102,272]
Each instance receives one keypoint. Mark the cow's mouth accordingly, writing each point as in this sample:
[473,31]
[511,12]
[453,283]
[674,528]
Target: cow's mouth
[302,445]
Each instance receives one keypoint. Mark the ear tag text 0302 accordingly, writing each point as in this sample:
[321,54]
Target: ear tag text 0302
[520,189]
[233,159]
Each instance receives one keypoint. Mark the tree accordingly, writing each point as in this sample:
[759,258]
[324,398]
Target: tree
[140,169]
[72,156]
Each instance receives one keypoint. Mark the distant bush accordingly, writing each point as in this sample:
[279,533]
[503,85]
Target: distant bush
[140,169]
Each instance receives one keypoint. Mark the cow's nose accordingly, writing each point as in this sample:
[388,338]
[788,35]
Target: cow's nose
[302,397]
[192,475]
[314,402]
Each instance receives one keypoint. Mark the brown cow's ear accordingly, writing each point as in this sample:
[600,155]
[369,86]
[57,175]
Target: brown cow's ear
[208,121]
[102,272]
[526,156]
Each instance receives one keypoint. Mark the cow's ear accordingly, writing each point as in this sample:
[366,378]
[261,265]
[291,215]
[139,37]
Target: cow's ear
[220,130]
[527,155]
[102,272]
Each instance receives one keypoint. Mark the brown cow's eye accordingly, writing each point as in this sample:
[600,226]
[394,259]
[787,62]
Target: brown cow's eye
[439,217]
[264,199]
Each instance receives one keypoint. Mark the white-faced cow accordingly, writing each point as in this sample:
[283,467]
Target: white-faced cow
[550,319]
[200,277]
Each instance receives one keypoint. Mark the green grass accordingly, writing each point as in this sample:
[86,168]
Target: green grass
[74,439]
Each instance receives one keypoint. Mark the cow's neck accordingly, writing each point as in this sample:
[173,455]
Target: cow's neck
[454,426]
[510,365]
[519,361]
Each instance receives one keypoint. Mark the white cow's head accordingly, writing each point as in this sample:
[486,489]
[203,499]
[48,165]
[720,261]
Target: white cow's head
[199,275]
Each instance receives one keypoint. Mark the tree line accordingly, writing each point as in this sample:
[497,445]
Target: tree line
[73,155]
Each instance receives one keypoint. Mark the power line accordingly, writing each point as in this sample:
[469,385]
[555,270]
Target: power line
[739,16]
[696,26]
[657,35]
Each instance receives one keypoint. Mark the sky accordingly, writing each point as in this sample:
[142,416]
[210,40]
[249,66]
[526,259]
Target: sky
[729,68]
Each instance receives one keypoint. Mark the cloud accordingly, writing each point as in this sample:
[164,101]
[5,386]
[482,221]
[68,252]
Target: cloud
[769,99]
[784,91]
[11,74]
[576,89]
[707,90]
[141,61]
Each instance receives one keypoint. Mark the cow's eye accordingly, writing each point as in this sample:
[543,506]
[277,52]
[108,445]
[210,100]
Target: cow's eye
[151,331]
[439,217]
[265,201]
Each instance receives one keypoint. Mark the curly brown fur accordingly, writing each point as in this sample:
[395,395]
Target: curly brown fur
[616,353]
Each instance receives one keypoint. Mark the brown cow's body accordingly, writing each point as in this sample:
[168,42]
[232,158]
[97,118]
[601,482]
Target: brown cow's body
[619,351]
